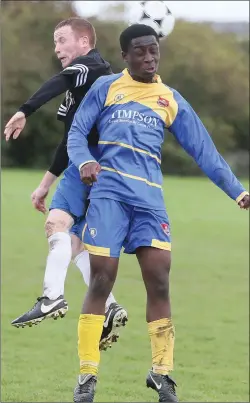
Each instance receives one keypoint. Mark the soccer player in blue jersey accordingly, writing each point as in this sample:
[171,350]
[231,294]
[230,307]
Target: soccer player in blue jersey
[131,110]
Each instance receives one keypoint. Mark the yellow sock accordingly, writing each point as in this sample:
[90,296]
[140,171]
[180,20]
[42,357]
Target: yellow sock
[89,334]
[162,335]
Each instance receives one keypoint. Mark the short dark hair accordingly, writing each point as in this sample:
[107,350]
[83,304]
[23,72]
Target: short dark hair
[80,26]
[135,31]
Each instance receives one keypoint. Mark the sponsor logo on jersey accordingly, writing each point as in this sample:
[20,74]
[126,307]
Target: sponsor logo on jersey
[131,116]
[163,102]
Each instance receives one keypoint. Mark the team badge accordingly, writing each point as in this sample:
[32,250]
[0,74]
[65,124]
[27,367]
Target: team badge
[166,229]
[119,97]
[163,102]
[93,232]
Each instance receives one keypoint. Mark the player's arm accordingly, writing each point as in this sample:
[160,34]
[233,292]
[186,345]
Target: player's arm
[49,90]
[75,75]
[61,158]
[59,164]
[194,138]
[85,117]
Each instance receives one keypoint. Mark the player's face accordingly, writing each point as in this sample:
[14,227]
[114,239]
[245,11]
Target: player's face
[143,58]
[69,45]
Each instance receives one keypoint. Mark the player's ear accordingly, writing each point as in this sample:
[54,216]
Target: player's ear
[124,56]
[84,41]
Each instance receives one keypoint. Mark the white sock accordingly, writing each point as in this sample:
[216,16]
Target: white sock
[109,301]
[58,261]
[82,262]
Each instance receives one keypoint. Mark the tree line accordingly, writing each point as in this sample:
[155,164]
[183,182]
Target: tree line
[210,69]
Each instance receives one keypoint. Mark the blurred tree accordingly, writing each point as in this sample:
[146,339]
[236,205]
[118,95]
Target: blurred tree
[210,70]
[108,42]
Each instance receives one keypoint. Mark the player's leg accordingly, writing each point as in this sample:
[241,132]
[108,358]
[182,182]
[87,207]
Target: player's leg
[80,257]
[52,303]
[150,238]
[155,267]
[103,241]
[59,221]
[115,315]
[57,229]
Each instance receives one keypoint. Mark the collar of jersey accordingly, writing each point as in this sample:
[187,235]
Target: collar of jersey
[93,50]
[128,76]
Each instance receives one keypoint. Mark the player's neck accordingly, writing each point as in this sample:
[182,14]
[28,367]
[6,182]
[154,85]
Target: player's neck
[85,51]
[140,79]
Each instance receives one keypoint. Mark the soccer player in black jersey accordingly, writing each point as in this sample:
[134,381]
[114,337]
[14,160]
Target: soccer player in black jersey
[75,41]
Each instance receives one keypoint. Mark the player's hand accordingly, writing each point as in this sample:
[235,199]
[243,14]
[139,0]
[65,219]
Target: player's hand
[15,125]
[89,172]
[245,202]
[38,199]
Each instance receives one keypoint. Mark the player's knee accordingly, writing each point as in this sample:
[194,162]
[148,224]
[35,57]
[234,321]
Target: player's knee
[159,283]
[161,288]
[52,226]
[102,282]
[49,228]
[57,224]
[58,221]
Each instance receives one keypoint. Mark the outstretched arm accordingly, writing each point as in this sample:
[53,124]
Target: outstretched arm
[74,75]
[50,89]
[194,138]
[53,87]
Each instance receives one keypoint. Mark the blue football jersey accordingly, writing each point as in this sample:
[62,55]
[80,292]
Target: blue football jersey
[131,117]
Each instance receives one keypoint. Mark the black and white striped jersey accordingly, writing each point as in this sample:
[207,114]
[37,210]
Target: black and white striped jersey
[82,73]
[79,74]
[75,80]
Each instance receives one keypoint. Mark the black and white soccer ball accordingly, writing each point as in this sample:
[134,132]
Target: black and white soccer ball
[156,14]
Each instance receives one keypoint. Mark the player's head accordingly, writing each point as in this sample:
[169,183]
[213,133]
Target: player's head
[140,50]
[73,37]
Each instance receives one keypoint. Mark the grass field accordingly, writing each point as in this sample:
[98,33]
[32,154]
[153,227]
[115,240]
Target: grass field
[209,302]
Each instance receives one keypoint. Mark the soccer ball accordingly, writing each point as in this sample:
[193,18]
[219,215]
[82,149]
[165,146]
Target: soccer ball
[156,14]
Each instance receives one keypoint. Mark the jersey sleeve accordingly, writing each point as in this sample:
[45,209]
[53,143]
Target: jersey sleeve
[61,159]
[77,72]
[85,117]
[55,86]
[194,138]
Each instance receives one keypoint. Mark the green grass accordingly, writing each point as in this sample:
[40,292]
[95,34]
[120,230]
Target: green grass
[209,288]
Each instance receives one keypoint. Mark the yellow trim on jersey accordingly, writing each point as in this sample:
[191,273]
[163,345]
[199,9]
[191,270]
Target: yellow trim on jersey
[97,250]
[125,90]
[84,229]
[161,245]
[240,197]
[139,150]
[138,178]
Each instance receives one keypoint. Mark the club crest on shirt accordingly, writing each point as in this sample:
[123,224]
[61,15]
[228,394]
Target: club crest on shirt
[163,102]
[119,97]
[165,228]
[93,232]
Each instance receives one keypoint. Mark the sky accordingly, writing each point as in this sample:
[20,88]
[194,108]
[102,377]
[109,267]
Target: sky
[190,10]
